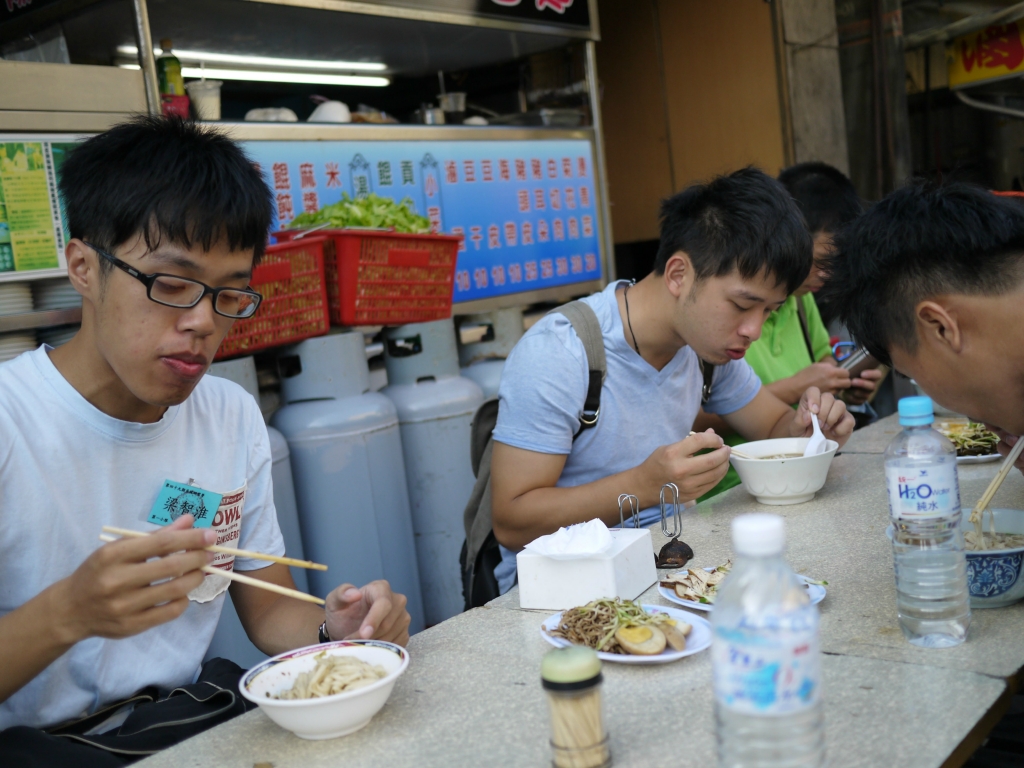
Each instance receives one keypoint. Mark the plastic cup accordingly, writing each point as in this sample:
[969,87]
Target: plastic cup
[205,95]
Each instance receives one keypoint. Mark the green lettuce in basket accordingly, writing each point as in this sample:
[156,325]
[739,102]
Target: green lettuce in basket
[370,211]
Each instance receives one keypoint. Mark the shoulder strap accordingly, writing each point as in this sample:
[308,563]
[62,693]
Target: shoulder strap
[707,370]
[584,321]
[805,327]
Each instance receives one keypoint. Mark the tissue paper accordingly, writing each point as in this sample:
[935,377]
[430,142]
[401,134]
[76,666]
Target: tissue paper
[573,542]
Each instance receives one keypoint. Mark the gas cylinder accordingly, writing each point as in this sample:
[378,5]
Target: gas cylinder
[230,640]
[483,360]
[346,456]
[435,408]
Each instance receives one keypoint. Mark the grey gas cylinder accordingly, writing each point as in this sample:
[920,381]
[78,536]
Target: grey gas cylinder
[483,360]
[346,457]
[435,408]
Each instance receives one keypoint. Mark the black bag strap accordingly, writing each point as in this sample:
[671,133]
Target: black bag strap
[707,371]
[805,327]
[584,321]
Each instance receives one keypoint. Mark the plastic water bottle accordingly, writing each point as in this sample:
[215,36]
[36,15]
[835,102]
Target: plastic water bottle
[927,543]
[765,656]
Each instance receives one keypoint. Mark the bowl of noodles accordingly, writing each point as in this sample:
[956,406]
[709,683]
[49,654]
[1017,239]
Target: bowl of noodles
[778,472]
[995,553]
[328,690]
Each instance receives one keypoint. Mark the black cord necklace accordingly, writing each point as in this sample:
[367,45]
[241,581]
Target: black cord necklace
[625,298]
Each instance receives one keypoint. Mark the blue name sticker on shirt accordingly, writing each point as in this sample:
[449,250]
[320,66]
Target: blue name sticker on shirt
[177,499]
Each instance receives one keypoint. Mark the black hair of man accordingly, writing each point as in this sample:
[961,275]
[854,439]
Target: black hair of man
[745,221]
[165,178]
[920,242]
[826,197]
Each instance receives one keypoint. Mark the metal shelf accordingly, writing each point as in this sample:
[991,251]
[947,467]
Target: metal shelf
[32,320]
[35,274]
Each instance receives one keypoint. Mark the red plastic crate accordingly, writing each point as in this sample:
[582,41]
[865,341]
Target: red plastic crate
[292,280]
[387,278]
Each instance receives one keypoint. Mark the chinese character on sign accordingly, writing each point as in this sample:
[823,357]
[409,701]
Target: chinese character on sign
[531,271]
[559,229]
[581,167]
[430,185]
[384,173]
[591,261]
[480,277]
[520,170]
[538,199]
[558,6]
[434,214]
[493,236]
[462,280]
[285,211]
[511,233]
[524,201]
[504,172]
[570,197]
[542,231]
[515,273]
[556,198]
[476,235]
[588,226]
[567,167]
[333,175]
[996,46]
[451,172]
[468,170]
[535,169]
[306,178]
[461,233]
[577,264]
[310,203]
[561,266]
[406,167]
[546,269]
[574,228]
[527,233]
[498,275]
[281,180]
[362,186]
[552,168]
[487,172]
[585,197]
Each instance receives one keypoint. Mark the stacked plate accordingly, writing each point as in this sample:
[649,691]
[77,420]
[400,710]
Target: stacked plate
[13,344]
[56,294]
[15,298]
[55,337]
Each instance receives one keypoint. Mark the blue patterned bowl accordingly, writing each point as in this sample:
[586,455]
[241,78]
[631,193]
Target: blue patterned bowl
[993,576]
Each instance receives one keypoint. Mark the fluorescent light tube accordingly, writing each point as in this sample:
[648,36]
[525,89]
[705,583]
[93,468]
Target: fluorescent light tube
[263,61]
[265,76]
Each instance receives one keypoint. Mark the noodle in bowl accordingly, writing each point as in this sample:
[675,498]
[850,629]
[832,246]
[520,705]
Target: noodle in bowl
[994,575]
[324,716]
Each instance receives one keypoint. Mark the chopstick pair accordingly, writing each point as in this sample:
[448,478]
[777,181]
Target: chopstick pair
[232,575]
[986,497]
[733,451]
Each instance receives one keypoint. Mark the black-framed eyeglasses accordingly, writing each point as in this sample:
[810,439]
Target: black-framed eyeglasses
[182,293]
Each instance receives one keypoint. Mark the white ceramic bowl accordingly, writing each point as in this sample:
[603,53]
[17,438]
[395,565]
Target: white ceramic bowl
[783,481]
[330,716]
[994,575]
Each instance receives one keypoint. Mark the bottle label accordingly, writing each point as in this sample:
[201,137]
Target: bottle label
[769,665]
[920,493]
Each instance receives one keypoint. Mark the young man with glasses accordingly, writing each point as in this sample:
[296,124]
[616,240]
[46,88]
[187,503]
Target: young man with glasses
[120,427]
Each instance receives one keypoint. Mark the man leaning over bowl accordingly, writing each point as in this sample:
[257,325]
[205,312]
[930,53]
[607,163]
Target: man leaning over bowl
[931,280]
[162,214]
[731,251]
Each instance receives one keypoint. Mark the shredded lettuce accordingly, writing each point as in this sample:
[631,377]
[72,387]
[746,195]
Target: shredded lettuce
[372,211]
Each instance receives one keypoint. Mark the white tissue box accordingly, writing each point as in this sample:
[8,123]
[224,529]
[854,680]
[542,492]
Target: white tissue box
[626,571]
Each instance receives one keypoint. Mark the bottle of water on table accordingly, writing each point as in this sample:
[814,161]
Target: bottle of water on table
[927,544]
[765,656]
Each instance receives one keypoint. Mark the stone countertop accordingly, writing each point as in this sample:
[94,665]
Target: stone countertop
[875,438]
[472,696]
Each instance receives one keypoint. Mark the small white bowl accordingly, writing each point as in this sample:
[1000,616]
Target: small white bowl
[783,481]
[330,716]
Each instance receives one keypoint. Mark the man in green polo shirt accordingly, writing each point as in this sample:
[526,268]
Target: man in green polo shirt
[793,352]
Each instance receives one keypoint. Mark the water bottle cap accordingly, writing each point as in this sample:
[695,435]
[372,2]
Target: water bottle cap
[758,534]
[916,411]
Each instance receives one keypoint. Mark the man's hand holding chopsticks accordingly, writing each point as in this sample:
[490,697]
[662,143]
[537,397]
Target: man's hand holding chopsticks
[371,612]
[131,585]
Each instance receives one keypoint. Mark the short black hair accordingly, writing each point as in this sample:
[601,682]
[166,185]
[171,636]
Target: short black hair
[827,198]
[165,177]
[920,242]
[744,220]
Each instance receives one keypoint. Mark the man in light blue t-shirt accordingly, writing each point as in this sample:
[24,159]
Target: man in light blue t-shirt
[731,251]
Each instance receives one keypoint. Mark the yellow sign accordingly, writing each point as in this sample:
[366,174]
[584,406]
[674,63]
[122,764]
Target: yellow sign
[993,53]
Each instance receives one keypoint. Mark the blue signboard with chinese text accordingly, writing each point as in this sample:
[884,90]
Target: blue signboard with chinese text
[527,210]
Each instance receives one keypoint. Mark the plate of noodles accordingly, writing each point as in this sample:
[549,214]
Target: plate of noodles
[974,444]
[327,690]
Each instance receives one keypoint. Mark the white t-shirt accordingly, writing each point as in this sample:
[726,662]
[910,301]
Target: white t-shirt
[67,469]
[544,383]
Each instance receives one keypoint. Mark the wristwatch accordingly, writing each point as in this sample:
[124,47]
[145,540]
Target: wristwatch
[324,637]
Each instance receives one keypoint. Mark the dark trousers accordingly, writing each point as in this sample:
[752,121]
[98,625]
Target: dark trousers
[157,722]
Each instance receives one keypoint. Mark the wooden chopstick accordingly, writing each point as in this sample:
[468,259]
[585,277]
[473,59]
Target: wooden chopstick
[259,583]
[986,497]
[230,551]
[733,451]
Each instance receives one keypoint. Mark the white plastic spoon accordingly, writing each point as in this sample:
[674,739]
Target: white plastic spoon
[817,444]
